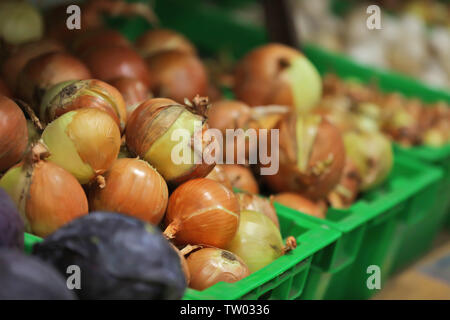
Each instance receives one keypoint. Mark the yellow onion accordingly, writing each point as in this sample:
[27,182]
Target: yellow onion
[133,90]
[131,187]
[253,202]
[311,156]
[97,37]
[275,74]
[158,40]
[209,266]
[85,142]
[258,241]
[46,195]
[345,193]
[202,211]
[241,178]
[72,95]
[149,135]
[300,203]
[218,174]
[13,133]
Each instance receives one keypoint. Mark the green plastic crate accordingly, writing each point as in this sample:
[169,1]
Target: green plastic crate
[282,279]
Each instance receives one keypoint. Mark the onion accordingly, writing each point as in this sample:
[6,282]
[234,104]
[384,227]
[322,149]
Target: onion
[177,75]
[71,95]
[279,75]
[20,22]
[158,40]
[209,266]
[371,153]
[258,241]
[298,202]
[96,38]
[345,193]
[46,70]
[13,133]
[311,157]
[85,142]
[241,178]
[133,90]
[4,90]
[33,133]
[149,135]
[131,187]
[183,263]
[202,211]
[218,174]
[47,196]
[110,62]
[14,64]
[253,202]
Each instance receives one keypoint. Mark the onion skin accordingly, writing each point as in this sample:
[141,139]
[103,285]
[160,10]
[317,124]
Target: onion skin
[146,137]
[159,40]
[96,38]
[218,174]
[73,95]
[202,211]
[85,142]
[177,75]
[13,133]
[241,178]
[297,202]
[275,74]
[46,70]
[47,196]
[345,193]
[134,188]
[209,266]
[184,264]
[110,62]
[253,202]
[258,241]
[14,64]
[133,90]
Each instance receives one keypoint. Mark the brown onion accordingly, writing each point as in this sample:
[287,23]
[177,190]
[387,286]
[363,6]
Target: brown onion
[345,193]
[300,203]
[13,133]
[46,70]
[177,75]
[96,38]
[202,211]
[131,187]
[241,178]
[218,174]
[47,196]
[72,95]
[110,62]
[149,135]
[133,90]
[158,40]
[209,266]
[14,64]
[253,202]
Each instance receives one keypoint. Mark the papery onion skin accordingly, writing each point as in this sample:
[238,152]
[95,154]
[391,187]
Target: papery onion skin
[46,70]
[133,90]
[158,40]
[218,174]
[13,133]
[184,264]
[253,202]
[98,37]
[209,266]
[72,95]
[47,196]
[85,142]
[110,62]
[177,75]
[202,211]
[149,136]
[257,242]
[300,203]
[134,188]
[14,64]
[241,178]
[279,75]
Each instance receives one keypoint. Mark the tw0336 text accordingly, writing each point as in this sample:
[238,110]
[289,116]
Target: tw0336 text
[227,309]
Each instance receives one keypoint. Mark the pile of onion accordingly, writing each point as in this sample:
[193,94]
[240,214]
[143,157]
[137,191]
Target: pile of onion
[72,95]
[85,142]
[131,187]
[149,136]
[202,211]
[253,202]
[218,174]
[47,196]
[209,266]
[300,203]
[13,133]
[96,38]
[159,40]
[133,90]
[275,74]
[241,178]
